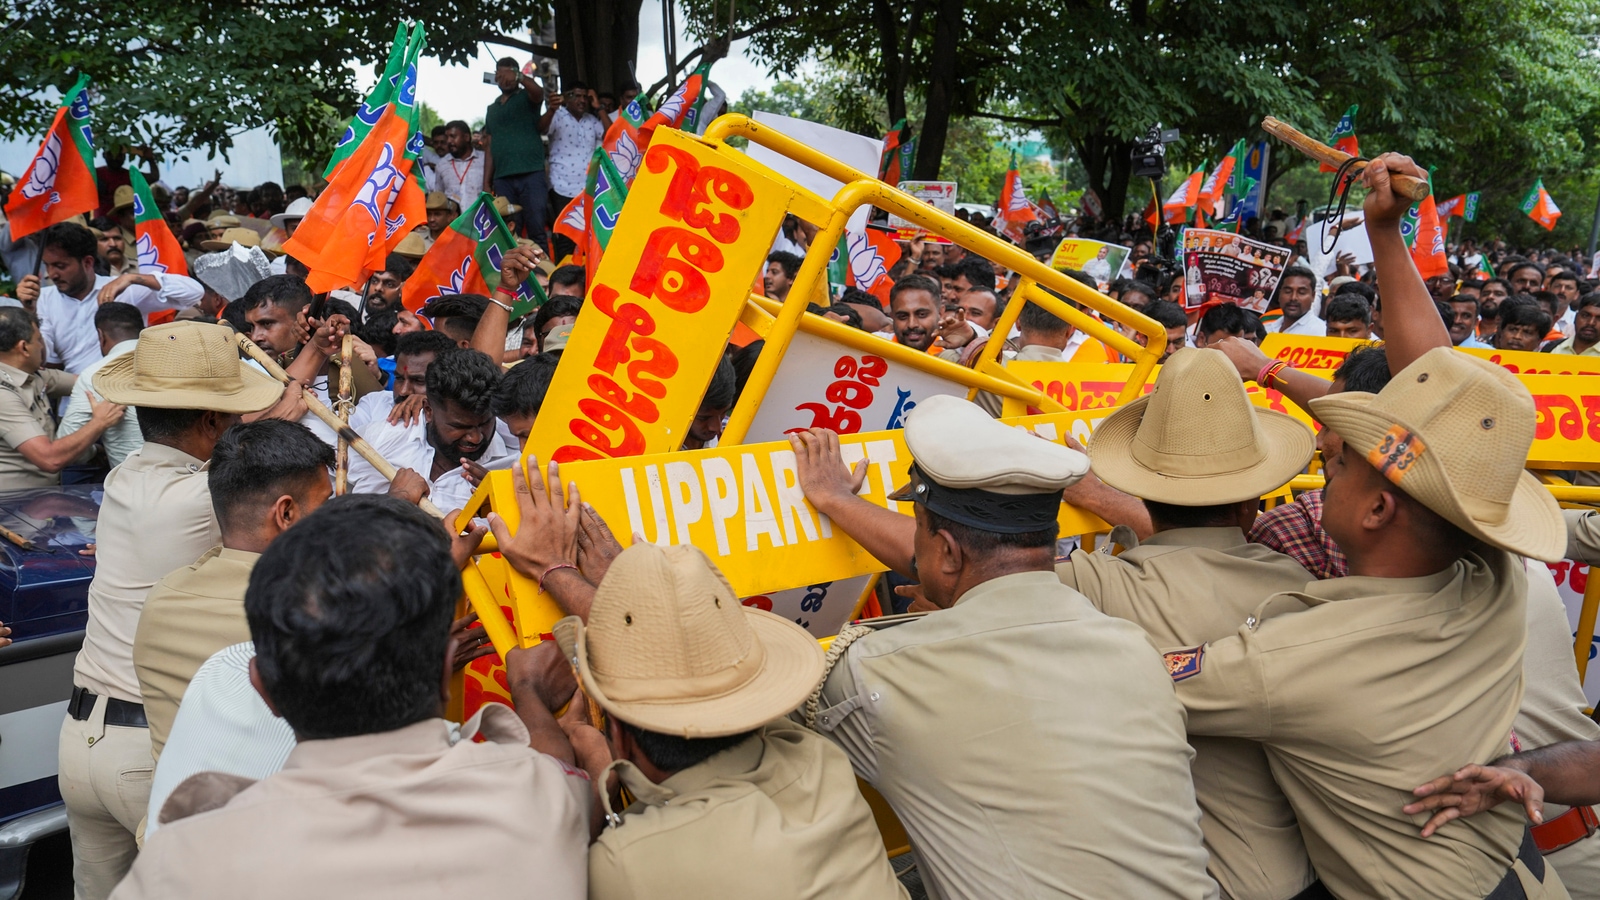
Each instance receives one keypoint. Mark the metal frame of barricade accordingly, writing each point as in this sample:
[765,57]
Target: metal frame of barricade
[1144,358]
[1575,495]
[860,189]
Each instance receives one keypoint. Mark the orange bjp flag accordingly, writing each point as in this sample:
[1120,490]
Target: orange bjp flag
[60,182]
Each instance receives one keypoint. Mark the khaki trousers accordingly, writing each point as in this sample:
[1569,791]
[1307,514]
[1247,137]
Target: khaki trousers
[105,780]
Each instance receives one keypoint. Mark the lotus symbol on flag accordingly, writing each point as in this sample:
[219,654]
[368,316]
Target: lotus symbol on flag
[574,217]
[626,156]
[673,108]
[379,188]
[1019,200]
[42,177]
[149,259]
[458,279]
[866,263]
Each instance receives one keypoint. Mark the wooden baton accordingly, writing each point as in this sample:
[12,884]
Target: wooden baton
[357,442]
[1408,186]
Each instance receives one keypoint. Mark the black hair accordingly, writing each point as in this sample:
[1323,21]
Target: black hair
[466,378]
[458,125]
[1587,300]
[556,307]
[285,291]
[234,314]
[1520,309]
[1081,277]
[378,330]
[744,358]
[983,543]
[1298,272]
[788,261]
[569,275]
[1365,369]
[851,315]
[1566,275]
[1169,314]
[119,320]
[671,753]
[439,129]
[16,326]
[156,424]
[1346,307]
[1228,317]
[1525,264]
[505,62]
[70,238]
[1173,516]
[1546,299]
[399,266]
[854,296]
[916,283]
[350,612]
[979,271]
[948,270]
[523,388]
[457,314]
[723,391]
[1361,289]
[1036,318]
[255,463]
[1140,287]
[413,343]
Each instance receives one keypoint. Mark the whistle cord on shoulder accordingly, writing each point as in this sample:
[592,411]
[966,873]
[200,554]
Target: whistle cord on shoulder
[1343,181]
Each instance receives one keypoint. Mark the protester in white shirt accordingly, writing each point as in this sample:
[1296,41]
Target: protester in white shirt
[459,173]
[66,306]
[118,326]
[454,444]
[413,353]
[574,130]
[1297,293]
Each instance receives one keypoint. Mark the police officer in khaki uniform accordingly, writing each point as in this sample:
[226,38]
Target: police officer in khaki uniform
[730,799]
[1029,744]
[265,476]
[1363,687]
[1200,456]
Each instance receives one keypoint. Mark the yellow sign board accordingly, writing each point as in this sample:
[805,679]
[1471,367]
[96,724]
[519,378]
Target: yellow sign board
[672,284]
[1093,387]
[1325,353]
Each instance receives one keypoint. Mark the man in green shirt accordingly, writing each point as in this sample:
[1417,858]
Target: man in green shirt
[515,165]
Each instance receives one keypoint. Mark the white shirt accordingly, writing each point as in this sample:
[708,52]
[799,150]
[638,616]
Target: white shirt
[460,179]
[223,725]
[1306,324]
[572,142]
[121,439]
[67,324]
[407,447]
[373,407]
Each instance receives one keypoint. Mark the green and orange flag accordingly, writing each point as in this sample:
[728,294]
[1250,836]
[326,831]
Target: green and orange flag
[60,182]
[604,196]
[159,250]
[899,153]
[1539,206]
[465,259]
[1423,231]
[1176,208]
[1344,136]
[1015,210]
[371,109]
[373,198]
[1212,190]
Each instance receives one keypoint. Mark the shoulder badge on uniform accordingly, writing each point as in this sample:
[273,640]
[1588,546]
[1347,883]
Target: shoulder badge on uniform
[1183,664]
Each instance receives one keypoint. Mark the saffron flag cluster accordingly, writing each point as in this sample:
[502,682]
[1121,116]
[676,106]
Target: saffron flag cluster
[1540,207]
[159,250]
[59,182]
[465,259]
[1015,210]
[373,198]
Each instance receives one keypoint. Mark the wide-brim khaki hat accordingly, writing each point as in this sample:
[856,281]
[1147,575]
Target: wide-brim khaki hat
[1453,432]
[296,211]
[122,198]
[243,236]
[1197,440]
[186,365]
[668,648]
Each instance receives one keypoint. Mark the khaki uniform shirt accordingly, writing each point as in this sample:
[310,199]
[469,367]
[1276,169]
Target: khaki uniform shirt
[410,813]
[156,517]
[777,816]
[1031,746]
[991,403]
[25,415]
[1583,535]
[1187,586]
[189,615]
[1552,711]
[1363,688]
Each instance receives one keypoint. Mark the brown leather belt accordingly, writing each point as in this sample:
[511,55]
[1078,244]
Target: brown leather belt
[118,712]
[1566,829]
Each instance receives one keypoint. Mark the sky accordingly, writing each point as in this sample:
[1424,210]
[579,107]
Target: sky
[458,92]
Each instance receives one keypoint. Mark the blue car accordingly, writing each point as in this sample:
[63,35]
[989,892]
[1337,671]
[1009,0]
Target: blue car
[44,598]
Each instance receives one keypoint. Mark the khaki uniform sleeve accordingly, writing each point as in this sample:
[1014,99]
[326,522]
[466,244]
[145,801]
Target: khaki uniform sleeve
[1223,687]
[57,383]
[842,716]
[1583,535]
[17,425]
[608,880]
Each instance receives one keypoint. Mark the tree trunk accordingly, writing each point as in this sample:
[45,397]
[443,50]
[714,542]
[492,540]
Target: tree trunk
[598,42]
[1109,166]
[883,18]
[941,89]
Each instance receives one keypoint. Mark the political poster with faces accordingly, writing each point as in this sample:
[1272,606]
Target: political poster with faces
[939,194]
[1223,266]
[1099,260]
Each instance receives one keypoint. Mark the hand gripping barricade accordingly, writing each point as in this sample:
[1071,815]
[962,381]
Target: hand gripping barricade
[675,280]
